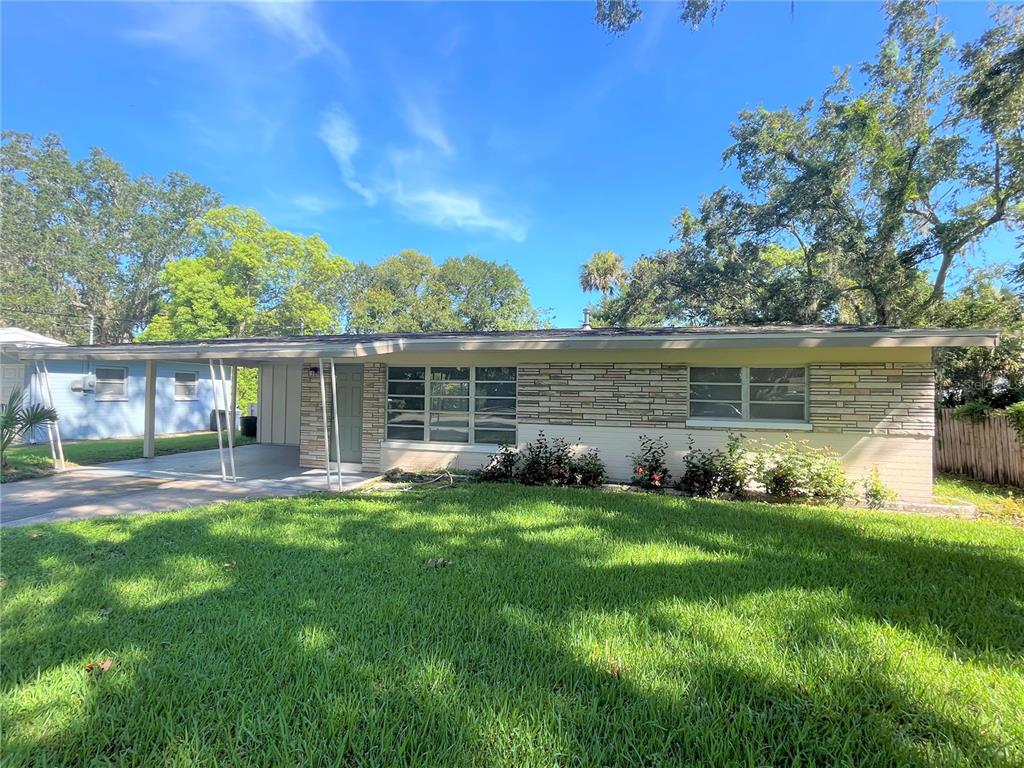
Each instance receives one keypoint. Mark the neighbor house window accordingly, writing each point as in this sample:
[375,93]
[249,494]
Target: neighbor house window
[452,404]
[186,385]
[111,382]
[748,394]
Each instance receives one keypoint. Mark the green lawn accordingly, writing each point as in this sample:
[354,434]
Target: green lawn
[34,460]
[1000,501]
[571,628]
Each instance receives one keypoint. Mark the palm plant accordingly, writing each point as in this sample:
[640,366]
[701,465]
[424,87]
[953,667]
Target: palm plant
[17,419]
[604,272]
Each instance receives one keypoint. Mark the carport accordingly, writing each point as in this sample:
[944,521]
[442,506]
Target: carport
[164,483]
[222,356]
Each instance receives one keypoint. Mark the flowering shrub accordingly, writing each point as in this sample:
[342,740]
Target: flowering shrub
[711,473]
[545,462]
[796,470]
[649,470]
[588,469]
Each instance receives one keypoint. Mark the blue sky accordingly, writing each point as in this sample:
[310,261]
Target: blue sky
[519,132]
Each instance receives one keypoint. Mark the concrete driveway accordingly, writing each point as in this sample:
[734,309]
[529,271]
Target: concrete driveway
[164,483]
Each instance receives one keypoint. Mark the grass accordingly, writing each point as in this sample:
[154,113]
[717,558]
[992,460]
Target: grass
[571,628]
[34,460]
[1000,501]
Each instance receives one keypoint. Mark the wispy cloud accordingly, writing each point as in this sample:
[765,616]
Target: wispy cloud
[292,20]
[425,124]
[411,181]
[450,208]
[338,133]
[202,29]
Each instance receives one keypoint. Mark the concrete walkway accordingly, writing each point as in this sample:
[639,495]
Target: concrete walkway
[164,483]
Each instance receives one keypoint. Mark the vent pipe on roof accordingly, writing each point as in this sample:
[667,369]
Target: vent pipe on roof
[586,320]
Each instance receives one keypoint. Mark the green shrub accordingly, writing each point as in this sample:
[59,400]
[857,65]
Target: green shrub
[501,468]
[710,473]
[975,410]
[649,470]
[877,493]
[588,469]
[545,462]
[1015,413]
[796,470]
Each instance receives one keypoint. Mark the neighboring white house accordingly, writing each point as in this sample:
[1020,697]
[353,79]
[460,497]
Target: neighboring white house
[96,399]
[424,400]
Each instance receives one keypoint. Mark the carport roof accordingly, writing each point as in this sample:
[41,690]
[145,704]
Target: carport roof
[381,344]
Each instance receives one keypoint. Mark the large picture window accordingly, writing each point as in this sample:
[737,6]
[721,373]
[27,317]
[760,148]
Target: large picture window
[111,382]
[748,394]
[452,404]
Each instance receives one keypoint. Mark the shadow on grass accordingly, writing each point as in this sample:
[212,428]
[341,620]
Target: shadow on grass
[572,628]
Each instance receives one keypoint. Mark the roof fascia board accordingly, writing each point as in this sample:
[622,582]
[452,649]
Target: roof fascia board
[273,350]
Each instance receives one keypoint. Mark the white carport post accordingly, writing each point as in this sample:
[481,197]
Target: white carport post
[229,403]
[327,432]
[56,449]
[337,430]
[216,421]
[149,421]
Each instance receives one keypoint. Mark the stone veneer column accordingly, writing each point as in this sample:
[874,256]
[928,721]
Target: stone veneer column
[374,405]
[875,398]
[312,452]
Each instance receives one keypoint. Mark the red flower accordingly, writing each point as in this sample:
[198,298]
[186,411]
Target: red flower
[639,470]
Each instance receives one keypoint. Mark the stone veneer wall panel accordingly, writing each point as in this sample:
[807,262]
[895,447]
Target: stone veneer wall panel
[879,398]
[374,404]
[603,394]
[312,452]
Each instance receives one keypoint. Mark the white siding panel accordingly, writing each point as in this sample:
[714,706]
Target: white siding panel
[904,462]
[279,404]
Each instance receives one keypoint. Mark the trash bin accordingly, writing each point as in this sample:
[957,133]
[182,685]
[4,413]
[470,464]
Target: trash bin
[223,419]
[248,426]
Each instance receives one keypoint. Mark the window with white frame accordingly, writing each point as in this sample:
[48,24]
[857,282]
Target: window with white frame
[452,404]
[748,394]
[111,382]
[186,385]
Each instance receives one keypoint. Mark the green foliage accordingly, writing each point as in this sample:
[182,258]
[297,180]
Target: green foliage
[994,376]
[84,237]
[408,292]
[792,469]
[604,272]
[18,419]
[857,206]
[545,462]
[876,493]
[713,473]
[251,279]
[618,16]
[973,410]
[649,468]
[1015,413]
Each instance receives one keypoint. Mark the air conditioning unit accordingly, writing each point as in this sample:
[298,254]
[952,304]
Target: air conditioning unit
[85,384]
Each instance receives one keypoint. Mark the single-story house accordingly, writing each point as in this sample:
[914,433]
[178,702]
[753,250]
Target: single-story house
[96,398]
[427,400]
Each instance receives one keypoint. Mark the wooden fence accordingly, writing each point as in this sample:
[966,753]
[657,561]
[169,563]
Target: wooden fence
[986,450]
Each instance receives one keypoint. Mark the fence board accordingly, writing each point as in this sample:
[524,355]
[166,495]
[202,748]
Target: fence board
[988,450]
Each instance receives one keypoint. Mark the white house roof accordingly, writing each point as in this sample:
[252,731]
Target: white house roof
[380,344]
[19,337]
